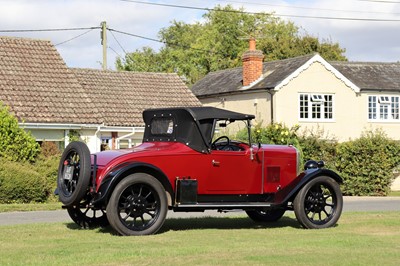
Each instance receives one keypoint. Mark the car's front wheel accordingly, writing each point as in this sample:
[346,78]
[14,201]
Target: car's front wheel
[138,205]
[319,203]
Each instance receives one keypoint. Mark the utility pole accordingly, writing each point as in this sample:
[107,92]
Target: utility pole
[104,43]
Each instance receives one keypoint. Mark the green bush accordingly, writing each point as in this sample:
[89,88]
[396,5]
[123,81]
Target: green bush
[20,183]
[23,182]
[48,168]
[367,164]
[49,149]
[15,143]
[276,133]
[315,145]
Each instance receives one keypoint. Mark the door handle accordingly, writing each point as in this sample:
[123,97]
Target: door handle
[215,163]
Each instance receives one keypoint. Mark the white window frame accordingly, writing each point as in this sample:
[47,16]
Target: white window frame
[311,104]
[383,108]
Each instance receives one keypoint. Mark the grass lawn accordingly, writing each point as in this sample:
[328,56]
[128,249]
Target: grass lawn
[359,239]
[394,194]
[49,206]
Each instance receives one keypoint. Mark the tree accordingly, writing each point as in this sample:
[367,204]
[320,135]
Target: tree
[193,50]
[15,143]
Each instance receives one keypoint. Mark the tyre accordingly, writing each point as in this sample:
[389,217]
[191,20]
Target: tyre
[137,206]
[87,217]
[74,173]
[266,215]
[319,203]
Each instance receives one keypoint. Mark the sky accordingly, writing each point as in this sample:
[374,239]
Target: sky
[369,34]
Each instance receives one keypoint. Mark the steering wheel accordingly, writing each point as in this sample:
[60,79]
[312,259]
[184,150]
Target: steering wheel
[214,144]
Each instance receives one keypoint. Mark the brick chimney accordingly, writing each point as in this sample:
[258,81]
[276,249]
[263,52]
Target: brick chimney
[252,63]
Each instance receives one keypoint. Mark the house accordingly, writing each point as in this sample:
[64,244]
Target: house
[341,98]
[56,103]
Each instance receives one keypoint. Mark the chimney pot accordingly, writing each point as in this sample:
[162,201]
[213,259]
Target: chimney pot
[252,63]
[252,44]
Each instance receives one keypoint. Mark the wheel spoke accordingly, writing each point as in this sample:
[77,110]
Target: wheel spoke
[327,214]
[312,217]
[126,217]
[148,195]
[140,191]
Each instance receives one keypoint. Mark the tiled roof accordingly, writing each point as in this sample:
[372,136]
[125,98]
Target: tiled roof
[230,80]
[366,76]
[38,86]
[371,76]
[121,97]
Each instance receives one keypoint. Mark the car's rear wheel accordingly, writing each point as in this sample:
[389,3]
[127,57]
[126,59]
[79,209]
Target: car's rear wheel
[88,217]
[266,215]
[73,173]
[138,205]
[319,203]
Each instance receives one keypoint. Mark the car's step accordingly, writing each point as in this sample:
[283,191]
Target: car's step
[223,205]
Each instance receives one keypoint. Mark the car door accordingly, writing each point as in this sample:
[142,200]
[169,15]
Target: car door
[234,172]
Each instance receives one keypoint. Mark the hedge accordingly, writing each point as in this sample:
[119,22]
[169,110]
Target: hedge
[367,164]
[23,182]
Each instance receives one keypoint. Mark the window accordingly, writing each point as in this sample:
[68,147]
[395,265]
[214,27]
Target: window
[162,126]
[383,108]
[316,106]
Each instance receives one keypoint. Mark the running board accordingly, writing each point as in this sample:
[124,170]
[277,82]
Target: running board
[225,205]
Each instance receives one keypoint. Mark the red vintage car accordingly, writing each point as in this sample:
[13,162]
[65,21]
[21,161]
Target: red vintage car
[188,163]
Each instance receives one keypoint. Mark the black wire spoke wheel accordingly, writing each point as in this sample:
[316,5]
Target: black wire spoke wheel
[74,173]
[266,215]
[87,216]
[319,203]
[138,205]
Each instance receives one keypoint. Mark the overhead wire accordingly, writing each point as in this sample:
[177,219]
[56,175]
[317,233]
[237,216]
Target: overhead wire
[260,13]
[165,42]
[73,38]
[382,1]
[117,41]
[59,29]
[306,8]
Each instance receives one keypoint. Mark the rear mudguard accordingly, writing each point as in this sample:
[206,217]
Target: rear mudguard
[116,175]
[288,193]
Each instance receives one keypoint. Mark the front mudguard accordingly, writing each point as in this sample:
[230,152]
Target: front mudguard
[288,193]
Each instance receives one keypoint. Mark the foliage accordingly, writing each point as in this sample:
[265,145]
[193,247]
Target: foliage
[193,50]
[141,60]
[15,143]
[19,183]
[23,182]
[74,135]
[316,145]
[367,164]
[275,133]
[49,149]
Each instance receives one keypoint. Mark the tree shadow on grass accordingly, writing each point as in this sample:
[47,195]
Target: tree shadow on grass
[200,223]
